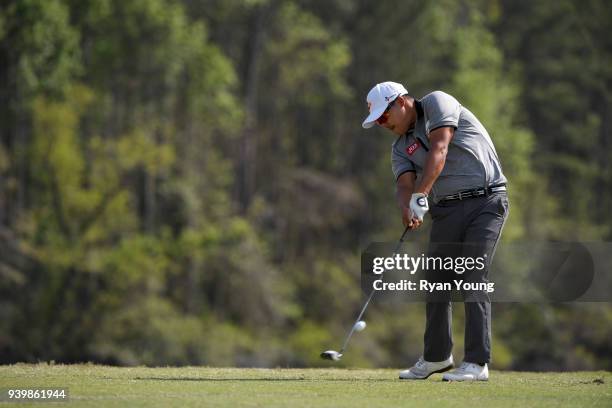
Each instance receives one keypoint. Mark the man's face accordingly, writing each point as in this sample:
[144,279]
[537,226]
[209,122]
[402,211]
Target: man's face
[397,118]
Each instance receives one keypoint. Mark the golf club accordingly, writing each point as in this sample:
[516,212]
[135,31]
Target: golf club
[359,324]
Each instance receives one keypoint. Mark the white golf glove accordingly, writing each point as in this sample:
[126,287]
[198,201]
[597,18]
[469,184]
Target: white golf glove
[419,205]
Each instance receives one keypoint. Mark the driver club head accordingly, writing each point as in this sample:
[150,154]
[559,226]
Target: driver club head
[331,355]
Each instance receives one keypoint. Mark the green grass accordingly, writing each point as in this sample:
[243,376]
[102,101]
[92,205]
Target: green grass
[92,385]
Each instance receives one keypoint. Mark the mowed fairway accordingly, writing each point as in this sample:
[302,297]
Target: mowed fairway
[91,385]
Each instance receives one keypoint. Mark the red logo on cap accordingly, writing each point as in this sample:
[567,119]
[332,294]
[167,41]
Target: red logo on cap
[412,148]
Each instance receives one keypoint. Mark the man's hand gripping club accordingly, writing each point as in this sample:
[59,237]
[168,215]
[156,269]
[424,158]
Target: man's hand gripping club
[413,205]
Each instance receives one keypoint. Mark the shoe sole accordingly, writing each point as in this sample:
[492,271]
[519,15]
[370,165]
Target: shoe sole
[442,370]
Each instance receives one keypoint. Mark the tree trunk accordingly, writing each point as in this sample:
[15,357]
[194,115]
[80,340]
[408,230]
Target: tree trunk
[248,140]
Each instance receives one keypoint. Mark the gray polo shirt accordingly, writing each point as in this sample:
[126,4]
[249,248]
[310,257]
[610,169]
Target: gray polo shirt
[471,160]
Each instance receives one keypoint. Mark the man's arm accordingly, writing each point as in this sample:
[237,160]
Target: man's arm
[439,140]
[404,189]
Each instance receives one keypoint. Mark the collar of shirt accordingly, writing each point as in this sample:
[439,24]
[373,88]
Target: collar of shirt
[419,109]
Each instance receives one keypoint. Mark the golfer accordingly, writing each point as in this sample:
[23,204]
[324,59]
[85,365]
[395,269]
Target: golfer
[444,156]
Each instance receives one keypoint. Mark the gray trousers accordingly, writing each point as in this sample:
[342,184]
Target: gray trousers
[467,228]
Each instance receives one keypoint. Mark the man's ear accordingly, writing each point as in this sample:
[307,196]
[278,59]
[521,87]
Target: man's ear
[403,100]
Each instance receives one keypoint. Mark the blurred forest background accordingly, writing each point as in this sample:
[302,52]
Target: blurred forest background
[188,182]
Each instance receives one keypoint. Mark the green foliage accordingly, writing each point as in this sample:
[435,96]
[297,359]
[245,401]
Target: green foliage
[481,84]
[83,193]
[150,331]
[45,53]
[307,341]
[311,61]
[187,182]
[305,66]
[565,93]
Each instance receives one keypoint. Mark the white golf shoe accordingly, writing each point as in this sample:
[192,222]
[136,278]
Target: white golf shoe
[423,369]
[468,372]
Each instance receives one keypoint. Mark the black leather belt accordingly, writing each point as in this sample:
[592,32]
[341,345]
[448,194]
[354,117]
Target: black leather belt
[478,192]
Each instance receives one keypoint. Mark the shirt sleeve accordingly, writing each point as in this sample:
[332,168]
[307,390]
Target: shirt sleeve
[400,162]
[440,109]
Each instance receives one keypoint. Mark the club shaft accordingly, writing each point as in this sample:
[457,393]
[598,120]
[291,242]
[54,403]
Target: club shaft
[367,302]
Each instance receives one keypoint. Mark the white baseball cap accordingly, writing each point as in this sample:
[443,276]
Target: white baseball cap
[379,98]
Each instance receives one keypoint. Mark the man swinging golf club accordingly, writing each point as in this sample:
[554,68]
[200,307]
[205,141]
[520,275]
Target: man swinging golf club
[445,156]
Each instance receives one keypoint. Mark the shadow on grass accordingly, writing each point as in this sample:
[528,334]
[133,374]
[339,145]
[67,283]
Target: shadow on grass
[261,379]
